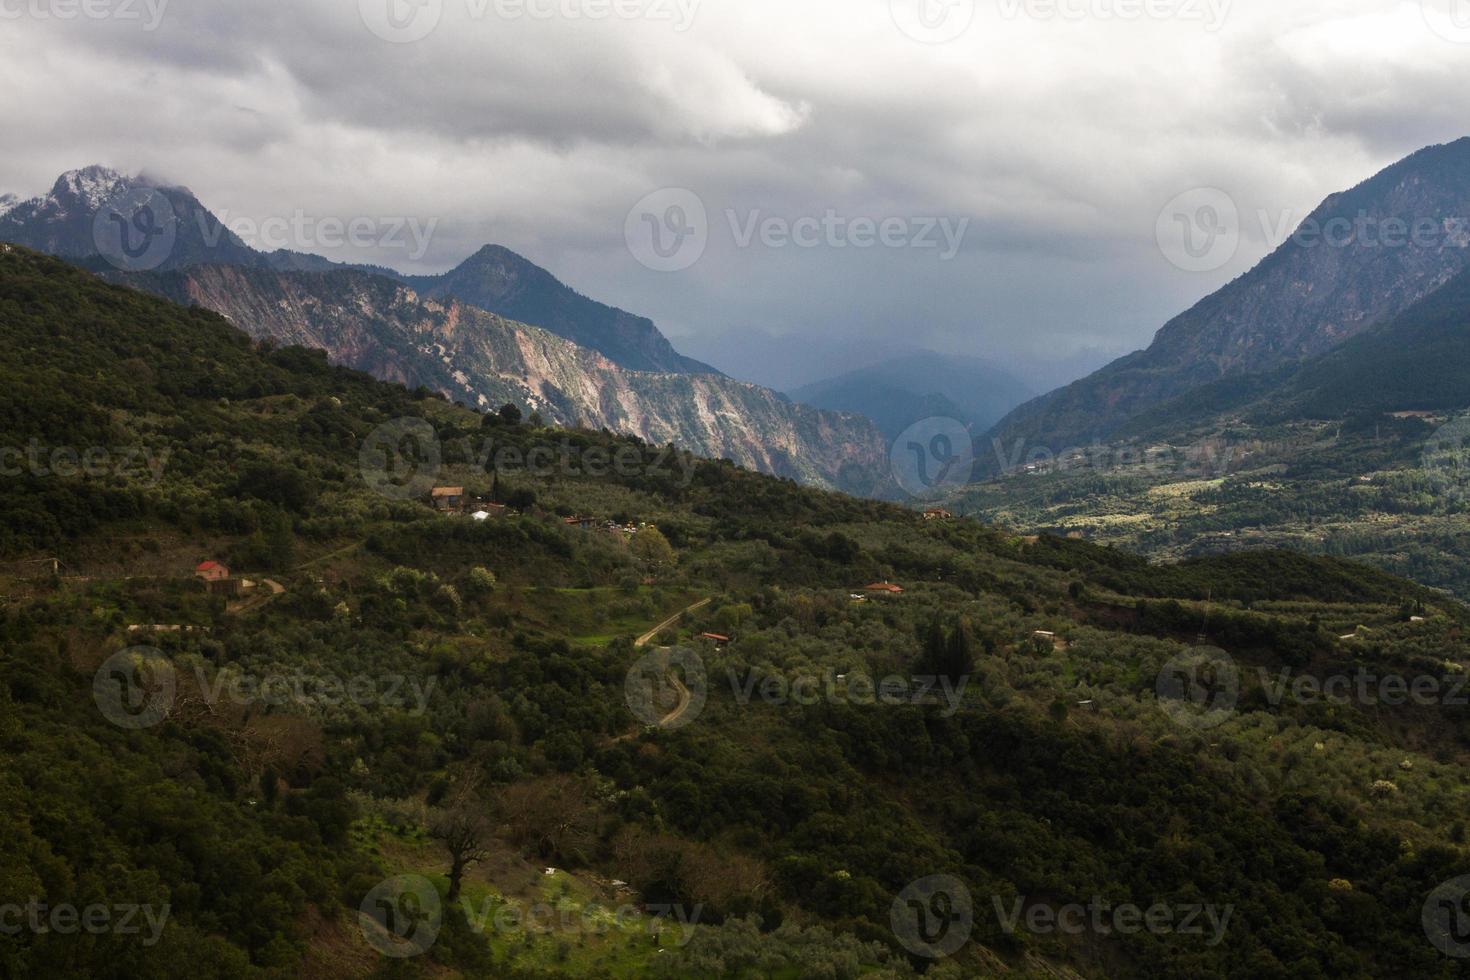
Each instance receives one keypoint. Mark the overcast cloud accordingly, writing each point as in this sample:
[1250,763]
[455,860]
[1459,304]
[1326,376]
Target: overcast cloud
[1050,133]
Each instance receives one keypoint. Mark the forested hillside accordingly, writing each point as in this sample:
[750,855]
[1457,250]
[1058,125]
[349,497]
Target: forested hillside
[425,744]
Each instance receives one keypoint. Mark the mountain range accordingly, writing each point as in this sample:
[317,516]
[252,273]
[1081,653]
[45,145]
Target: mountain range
[1158,731]
[898,392]
[1320,403]
[497,328]
[1350,267]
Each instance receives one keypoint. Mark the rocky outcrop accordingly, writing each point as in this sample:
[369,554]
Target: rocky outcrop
[382,326]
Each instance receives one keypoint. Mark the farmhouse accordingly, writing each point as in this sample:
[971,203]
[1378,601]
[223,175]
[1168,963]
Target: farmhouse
[217,578]
[883,588]
[211,571]
[448,500]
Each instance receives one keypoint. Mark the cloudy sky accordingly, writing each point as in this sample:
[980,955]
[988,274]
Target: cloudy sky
[785,186]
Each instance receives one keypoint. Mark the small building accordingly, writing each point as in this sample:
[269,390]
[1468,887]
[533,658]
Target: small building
[585,523]
[448,500]
[717,639]
[216,578]
[938,514]
[883,588]
[211,571]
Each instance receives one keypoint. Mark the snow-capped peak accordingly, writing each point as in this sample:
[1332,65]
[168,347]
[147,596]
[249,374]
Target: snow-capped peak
[92,186]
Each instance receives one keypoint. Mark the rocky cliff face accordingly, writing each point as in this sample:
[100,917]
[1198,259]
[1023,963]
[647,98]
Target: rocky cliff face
[584,364]
[1362,257]
[381,326]
[499,280]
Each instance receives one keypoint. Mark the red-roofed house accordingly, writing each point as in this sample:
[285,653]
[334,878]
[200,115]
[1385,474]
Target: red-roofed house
[211,571]
[217,578]
[887,587]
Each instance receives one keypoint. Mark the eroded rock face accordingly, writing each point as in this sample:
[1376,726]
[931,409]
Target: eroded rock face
[1362,257]
[382,326]
[584,364]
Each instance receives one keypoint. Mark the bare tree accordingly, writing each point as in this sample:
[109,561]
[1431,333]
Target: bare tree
[463,824]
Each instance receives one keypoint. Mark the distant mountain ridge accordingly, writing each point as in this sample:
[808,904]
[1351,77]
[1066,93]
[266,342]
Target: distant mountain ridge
[898,392]
[496,279]
[1304,299]
[383,327]
[376,320]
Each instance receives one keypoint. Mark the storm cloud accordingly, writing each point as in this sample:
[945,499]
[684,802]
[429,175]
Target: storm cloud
[1055,130]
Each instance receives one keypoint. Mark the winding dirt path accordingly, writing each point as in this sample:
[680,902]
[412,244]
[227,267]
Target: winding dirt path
[685,698]
[646,638]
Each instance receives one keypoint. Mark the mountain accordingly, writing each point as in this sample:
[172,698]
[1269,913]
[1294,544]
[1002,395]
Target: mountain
[617,370]
[499,280]
[383,327]
[1359,452]
[1417,361]
[898,392]
[273,785]
[1356,261]
[66,222]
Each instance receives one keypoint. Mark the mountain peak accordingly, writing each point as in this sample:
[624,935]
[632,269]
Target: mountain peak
[510,285]
[89,186]
[493,252]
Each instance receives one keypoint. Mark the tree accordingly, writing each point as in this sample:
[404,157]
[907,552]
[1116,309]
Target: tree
[959,658]
[463,825]
[510,414]
[652,548]
[948,652]
[481,582]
